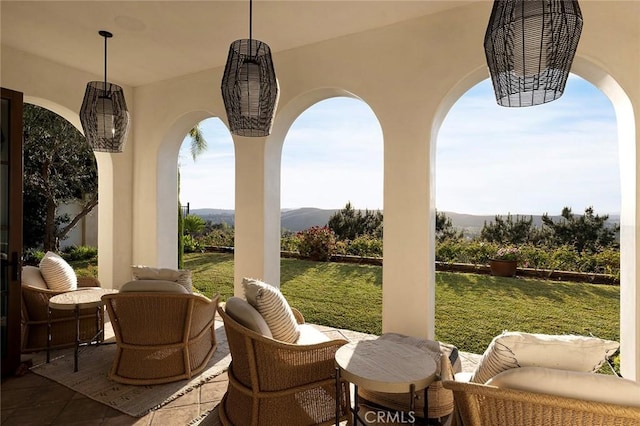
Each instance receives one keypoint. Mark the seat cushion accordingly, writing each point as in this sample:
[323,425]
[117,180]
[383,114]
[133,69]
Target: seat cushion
[565,352]
[570,384]
[154,286]
[180,276]
[57,273]
[32,277]
[247,316]
[271,304]
[309,335]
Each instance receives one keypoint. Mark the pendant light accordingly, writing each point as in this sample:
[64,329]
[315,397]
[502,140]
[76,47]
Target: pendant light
[104,115]
[530,46]
[249,86]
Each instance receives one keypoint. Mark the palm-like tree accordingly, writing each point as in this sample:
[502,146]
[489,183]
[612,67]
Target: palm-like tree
[198,142]
[198,146]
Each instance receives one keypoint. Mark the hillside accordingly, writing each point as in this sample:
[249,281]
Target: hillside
[299,219]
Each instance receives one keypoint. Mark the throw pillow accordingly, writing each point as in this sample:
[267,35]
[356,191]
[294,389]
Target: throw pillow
[570,384]
[57,273]
[180,276]
[564,352]
[32,277]
[271,304]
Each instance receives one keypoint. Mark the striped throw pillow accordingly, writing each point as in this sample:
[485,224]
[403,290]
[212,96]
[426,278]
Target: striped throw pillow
[58,274]
[271,304]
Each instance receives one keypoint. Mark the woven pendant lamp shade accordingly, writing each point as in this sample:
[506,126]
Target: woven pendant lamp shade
[250,88]
[530,46]
[103,114]
[104,117]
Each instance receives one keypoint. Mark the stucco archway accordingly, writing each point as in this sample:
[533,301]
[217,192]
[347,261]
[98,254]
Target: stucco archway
[629,292]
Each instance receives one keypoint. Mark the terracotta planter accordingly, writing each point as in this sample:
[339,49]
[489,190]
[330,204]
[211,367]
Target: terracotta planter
[503,268]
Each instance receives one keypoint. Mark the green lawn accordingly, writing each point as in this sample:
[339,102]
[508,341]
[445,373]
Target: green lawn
[470,309]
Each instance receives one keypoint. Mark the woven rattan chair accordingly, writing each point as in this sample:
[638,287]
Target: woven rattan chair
[161,337]
[277,383]
[484,405]
[35,304]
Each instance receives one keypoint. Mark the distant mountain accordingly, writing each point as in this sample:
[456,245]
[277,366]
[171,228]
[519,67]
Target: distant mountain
[299,219]
[292,219]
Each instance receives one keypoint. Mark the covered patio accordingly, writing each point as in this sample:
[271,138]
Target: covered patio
[409,61]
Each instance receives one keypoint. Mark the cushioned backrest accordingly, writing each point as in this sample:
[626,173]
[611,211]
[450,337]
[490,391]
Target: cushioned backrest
[571,384]
[32,277]
[247,316]
[180,276]
[156,286]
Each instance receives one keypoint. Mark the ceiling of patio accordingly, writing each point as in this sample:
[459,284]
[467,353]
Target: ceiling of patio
[158,40]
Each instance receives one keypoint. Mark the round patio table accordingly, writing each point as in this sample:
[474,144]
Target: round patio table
[75,301]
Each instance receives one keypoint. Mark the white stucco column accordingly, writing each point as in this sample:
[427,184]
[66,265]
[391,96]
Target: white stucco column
[408,289]
[257,211]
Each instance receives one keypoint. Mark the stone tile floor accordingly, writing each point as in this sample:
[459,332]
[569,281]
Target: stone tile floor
[35,400]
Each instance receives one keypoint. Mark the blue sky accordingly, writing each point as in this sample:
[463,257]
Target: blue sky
[489,159]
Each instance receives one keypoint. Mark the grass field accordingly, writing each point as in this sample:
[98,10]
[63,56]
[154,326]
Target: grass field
[470,309]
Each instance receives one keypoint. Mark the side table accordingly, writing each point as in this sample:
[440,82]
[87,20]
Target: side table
[74,301]
[384,366]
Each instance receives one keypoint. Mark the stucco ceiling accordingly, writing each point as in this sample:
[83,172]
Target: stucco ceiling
[158,40]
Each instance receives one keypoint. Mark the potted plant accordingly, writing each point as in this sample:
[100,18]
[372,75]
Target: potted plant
[505,262]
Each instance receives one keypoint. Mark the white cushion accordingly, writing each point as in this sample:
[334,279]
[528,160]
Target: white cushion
[180,276]
[57,273]
[564,352]
[32,277]
[247,316]
[309,335]
[155,286]
[570,384]
[273,307]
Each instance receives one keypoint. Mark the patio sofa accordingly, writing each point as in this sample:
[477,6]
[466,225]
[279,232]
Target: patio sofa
[272,381]
[535,379]
[163,332]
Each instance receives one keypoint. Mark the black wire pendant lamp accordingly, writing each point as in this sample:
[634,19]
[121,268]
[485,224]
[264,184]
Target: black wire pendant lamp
[104,115]
[530,46]
[249,86]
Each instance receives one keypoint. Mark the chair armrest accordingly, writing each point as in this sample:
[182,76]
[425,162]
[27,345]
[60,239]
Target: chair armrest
[88,282]
[298,315]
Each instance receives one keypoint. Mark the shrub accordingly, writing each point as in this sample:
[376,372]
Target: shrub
[290,242]
[191,244]
[32,256]
[365,246]
[73,253]
[317,243]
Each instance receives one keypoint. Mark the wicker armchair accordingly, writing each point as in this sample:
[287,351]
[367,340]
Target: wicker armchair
[485,405]
[35,305]
[272,382]
[161,337]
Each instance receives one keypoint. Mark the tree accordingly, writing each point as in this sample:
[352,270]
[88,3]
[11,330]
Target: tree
[510,231]
[445,229]
[59,168]
[198,146]
[194,225]
[349,223]
[588,232]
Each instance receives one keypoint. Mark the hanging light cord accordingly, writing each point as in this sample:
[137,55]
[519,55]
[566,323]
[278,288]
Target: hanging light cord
[105,63]
[250,23]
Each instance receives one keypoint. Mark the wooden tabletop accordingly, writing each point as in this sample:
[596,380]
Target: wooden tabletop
[384,366]
[82,298]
